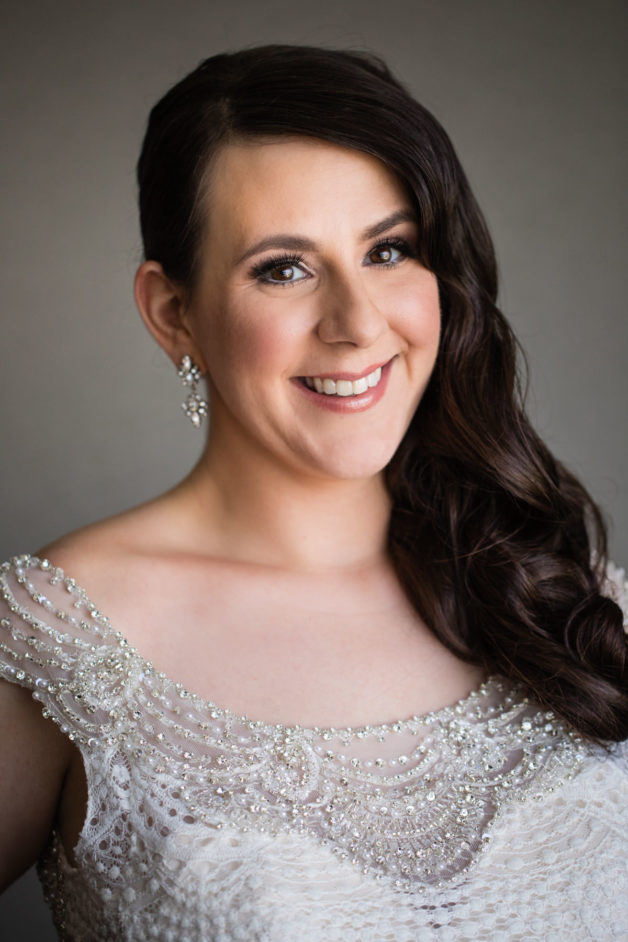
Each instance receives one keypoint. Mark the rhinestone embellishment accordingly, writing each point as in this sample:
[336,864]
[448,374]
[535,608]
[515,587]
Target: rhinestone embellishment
[412,801]
[194,406]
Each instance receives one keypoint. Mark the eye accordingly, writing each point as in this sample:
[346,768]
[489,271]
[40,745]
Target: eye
[389,252]
[280,270]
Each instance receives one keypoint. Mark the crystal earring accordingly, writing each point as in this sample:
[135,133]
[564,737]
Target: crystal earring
[195,407]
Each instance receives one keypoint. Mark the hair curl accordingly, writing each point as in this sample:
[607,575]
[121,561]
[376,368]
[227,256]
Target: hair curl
[498,546]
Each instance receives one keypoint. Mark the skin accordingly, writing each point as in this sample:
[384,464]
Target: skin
[285,514]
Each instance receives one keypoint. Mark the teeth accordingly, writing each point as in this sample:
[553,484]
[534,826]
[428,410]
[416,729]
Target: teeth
[344,387]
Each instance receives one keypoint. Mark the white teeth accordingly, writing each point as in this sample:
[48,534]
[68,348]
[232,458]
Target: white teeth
[344,387]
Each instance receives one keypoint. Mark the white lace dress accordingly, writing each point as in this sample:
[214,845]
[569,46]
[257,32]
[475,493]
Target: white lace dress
[486,820]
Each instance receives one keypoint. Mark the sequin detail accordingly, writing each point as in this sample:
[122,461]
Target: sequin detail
[412,803]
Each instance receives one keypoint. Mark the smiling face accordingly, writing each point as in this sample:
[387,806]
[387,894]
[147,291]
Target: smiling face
[315,320]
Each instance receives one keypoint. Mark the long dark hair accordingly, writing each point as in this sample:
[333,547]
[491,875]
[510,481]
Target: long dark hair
[498,546]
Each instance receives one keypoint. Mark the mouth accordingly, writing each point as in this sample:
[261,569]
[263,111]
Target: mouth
[345,384]
[347,392]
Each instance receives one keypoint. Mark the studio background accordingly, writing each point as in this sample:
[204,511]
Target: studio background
[533,95]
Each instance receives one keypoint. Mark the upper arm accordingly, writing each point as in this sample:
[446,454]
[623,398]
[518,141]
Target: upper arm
[34,757]
[48,637]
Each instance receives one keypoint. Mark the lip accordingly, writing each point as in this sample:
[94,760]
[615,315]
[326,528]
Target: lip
[347,404]
[350,376]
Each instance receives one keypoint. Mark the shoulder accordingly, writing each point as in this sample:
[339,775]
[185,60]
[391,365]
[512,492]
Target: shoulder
[51,621]
[119,561]
[58,645]
[104,545]
[130,569]
[93,558]
[46,622]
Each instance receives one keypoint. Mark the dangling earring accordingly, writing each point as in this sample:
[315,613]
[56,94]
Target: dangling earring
[195,407]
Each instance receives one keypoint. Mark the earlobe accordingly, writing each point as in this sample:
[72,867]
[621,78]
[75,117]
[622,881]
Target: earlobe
[161,304]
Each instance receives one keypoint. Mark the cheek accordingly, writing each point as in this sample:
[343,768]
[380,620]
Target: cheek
[418,312]
[246,343]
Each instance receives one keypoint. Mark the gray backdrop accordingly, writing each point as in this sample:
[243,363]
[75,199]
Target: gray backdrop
[533,94]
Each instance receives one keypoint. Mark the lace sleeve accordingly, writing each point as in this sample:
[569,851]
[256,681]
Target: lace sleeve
[54,642]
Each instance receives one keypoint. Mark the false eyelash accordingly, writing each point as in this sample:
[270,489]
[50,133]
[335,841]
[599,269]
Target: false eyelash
[263,267]
[259,270]
[397,243]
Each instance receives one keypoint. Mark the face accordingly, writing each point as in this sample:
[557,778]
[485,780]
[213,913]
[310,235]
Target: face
[317,323]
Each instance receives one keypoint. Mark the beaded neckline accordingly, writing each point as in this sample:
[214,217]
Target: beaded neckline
[442,714]
[417,812]
[397,725]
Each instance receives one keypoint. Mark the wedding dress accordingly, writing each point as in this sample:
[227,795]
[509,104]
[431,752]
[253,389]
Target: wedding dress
[490,819]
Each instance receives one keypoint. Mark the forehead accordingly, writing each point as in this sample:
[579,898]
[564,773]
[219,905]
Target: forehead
[287,180]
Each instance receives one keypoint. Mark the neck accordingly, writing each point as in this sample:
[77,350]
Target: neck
[253,509]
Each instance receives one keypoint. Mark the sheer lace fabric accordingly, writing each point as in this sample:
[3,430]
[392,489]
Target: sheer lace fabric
[489,819]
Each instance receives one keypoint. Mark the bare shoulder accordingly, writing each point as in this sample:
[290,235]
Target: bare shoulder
[135,566]
[83,553]
[118,558]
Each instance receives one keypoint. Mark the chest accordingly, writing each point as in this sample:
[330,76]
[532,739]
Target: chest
[299,649]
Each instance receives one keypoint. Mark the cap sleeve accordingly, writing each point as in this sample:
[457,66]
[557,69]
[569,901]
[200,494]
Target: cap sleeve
[56,643]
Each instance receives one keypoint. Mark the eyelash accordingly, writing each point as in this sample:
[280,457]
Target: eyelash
[259,271]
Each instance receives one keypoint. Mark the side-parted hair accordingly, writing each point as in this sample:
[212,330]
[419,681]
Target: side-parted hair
[499,547]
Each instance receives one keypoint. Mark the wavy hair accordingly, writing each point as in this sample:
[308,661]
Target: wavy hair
[498,546]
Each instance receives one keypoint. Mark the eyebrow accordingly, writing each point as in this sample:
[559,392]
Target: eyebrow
[300,243]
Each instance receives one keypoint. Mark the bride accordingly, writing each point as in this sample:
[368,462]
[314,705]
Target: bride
[368,653]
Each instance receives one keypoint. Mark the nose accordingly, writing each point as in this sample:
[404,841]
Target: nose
[348,312]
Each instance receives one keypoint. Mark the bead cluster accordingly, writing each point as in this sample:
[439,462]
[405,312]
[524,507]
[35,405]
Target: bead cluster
[194,406]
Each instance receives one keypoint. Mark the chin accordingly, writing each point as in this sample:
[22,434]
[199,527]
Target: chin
[348,463]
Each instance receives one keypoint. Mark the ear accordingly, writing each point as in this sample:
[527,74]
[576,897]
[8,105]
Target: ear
[162,306]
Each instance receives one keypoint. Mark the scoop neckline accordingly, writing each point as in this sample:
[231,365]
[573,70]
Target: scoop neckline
[423,719]
[457,707]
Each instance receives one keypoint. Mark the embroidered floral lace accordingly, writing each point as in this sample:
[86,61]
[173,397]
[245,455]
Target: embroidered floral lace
[489,819]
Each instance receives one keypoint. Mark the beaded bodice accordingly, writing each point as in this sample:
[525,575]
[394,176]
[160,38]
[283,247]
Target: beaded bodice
[205,824]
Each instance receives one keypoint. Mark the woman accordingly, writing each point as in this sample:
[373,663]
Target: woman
[362,674]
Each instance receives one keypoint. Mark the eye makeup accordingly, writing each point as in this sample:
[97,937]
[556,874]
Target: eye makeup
[261,270]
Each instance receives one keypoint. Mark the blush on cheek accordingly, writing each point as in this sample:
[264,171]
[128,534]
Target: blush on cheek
[419,320]
[270,337]
[248,348]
